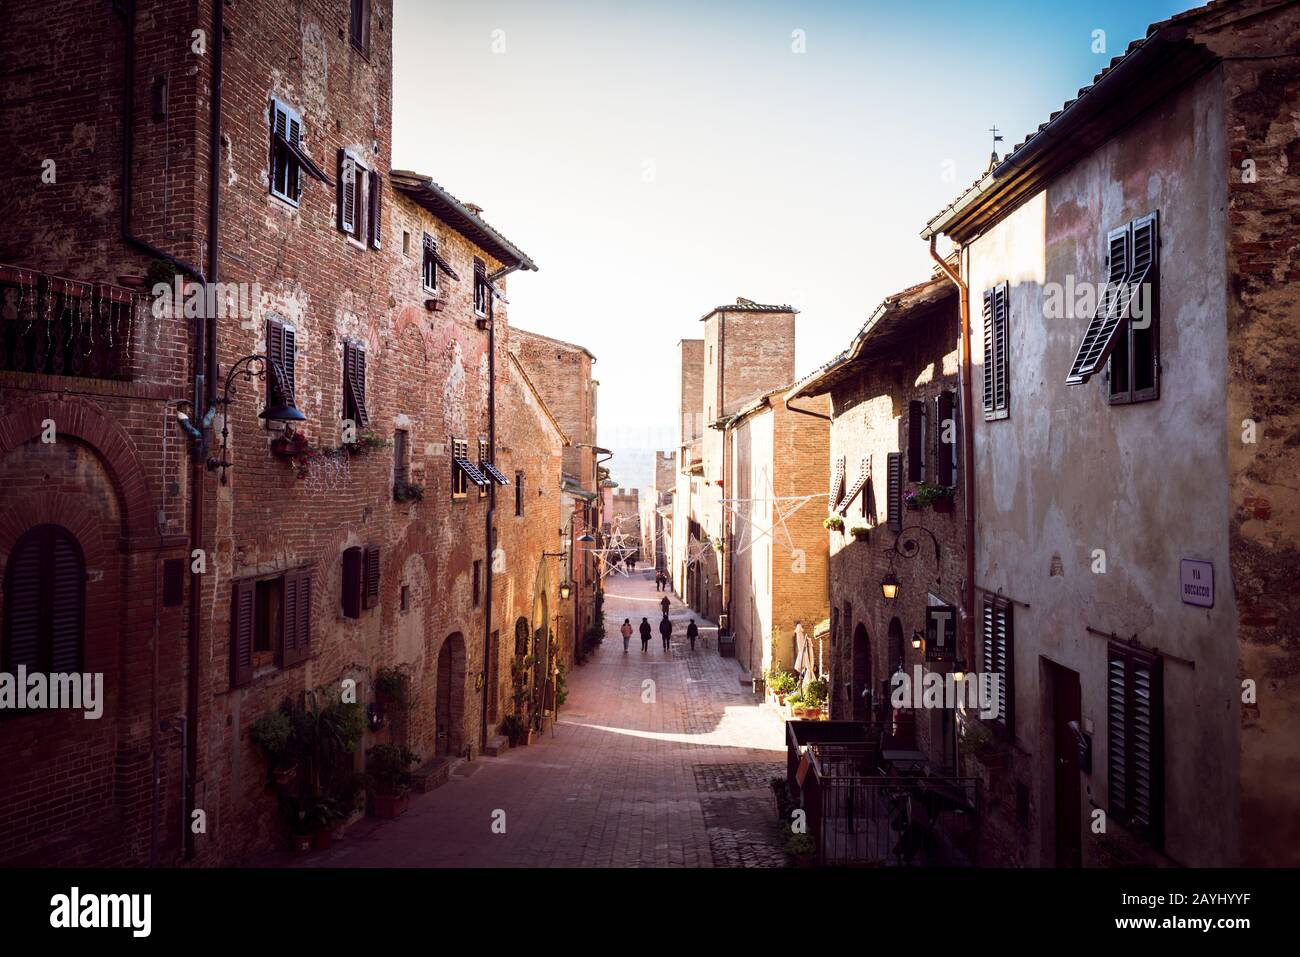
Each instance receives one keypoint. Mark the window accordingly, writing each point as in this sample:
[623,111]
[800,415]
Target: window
[429,270]
[401,459]
[282,362]
[405,604]
[998,657]
[1123,328]
[489,470]
[288,161]
[360,579]
[478,580]
[1135,739]
[359,202]
[837,485]
[916,432]
[483,455]
[894,490]
[945,438]
[286,133]
[45,600]
[463,471]
[354,384]
[860,484]
[519,493]
[482,290]
[406,243]
[359,26]
[270,621]
[1133,370]
[996,399]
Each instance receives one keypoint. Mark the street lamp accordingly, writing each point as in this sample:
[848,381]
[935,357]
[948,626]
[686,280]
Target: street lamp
[889,587]
[917,638]
[565,590]
[280,412]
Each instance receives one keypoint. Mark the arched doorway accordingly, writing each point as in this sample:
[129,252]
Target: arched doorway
[450,706]
[860,692]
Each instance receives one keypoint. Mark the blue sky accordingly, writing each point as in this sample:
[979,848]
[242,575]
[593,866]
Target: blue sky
[657,159]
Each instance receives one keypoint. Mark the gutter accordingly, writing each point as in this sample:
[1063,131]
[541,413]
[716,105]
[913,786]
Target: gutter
[967,457]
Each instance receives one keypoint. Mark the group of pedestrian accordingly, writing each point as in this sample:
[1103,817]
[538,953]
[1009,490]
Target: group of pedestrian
[665,630]
[661,581]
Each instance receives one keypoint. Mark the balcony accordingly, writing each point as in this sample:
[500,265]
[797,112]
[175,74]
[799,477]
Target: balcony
[55,326]
[873,806]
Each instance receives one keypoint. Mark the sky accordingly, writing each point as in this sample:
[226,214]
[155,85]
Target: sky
[659,159]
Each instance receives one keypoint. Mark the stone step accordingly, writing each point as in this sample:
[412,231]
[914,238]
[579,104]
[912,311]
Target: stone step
[432,774]
[497,745]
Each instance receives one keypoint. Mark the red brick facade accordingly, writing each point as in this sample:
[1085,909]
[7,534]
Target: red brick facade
[117,476]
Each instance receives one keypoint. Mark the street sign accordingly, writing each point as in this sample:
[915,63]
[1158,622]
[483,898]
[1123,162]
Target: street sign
[1196,582]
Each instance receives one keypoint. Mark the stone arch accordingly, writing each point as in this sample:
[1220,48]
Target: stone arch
[105,437]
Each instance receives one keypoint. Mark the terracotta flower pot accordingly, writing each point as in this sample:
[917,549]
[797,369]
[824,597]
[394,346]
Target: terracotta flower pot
[389,806]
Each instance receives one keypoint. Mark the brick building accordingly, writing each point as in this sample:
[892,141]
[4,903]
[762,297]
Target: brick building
[1135,504]
[561,372]
[656,500]
[690,397]
[747,351]
[893,400]
[351,539]
[776,546]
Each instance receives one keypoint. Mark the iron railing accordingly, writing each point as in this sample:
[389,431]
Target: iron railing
[862,811]
[55,326]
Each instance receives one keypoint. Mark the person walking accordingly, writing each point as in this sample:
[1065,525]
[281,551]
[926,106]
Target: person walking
[666,630]
[665,605]
[659,579]
[626,631]
[645,635]
[692,633]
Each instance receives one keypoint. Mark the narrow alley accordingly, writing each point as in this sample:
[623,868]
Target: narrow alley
[658,760]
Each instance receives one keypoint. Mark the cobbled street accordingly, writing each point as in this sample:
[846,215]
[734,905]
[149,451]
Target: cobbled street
[679,779]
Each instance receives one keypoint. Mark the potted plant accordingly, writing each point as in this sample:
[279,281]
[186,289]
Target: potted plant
[833,523]
[273,735]
[290,445]
[801,848]
[860,532]
[909,499]
[310,820]
[391,688]
[389,767]
[938,497]
[781,683]
[408,492]
[513,727]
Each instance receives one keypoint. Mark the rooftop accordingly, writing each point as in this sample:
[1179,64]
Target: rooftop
[748,305]
[460,216]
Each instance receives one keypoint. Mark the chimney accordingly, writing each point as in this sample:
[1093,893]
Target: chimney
[474,208]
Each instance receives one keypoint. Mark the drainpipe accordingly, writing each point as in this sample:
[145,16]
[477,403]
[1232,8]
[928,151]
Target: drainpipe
[967,457]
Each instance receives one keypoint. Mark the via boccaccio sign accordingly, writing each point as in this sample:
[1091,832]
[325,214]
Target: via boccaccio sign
[1196,582]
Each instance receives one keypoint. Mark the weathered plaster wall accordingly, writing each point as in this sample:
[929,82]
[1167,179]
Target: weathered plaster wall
[1066,473]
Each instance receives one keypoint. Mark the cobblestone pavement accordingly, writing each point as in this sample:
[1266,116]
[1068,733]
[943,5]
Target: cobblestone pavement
[679,779]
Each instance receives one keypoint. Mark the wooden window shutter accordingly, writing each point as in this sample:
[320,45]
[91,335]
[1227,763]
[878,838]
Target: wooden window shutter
[353,582]
[1135,739]
[998,656]
[347,193]
[242,616]
[894,483]
[988,351]
[372,576]
[68,591]
[376,208]
[295,643]
[289,362]
[944,453]
[45,600]
[23,601]
[354,385]
[915,441]
[1000,383]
